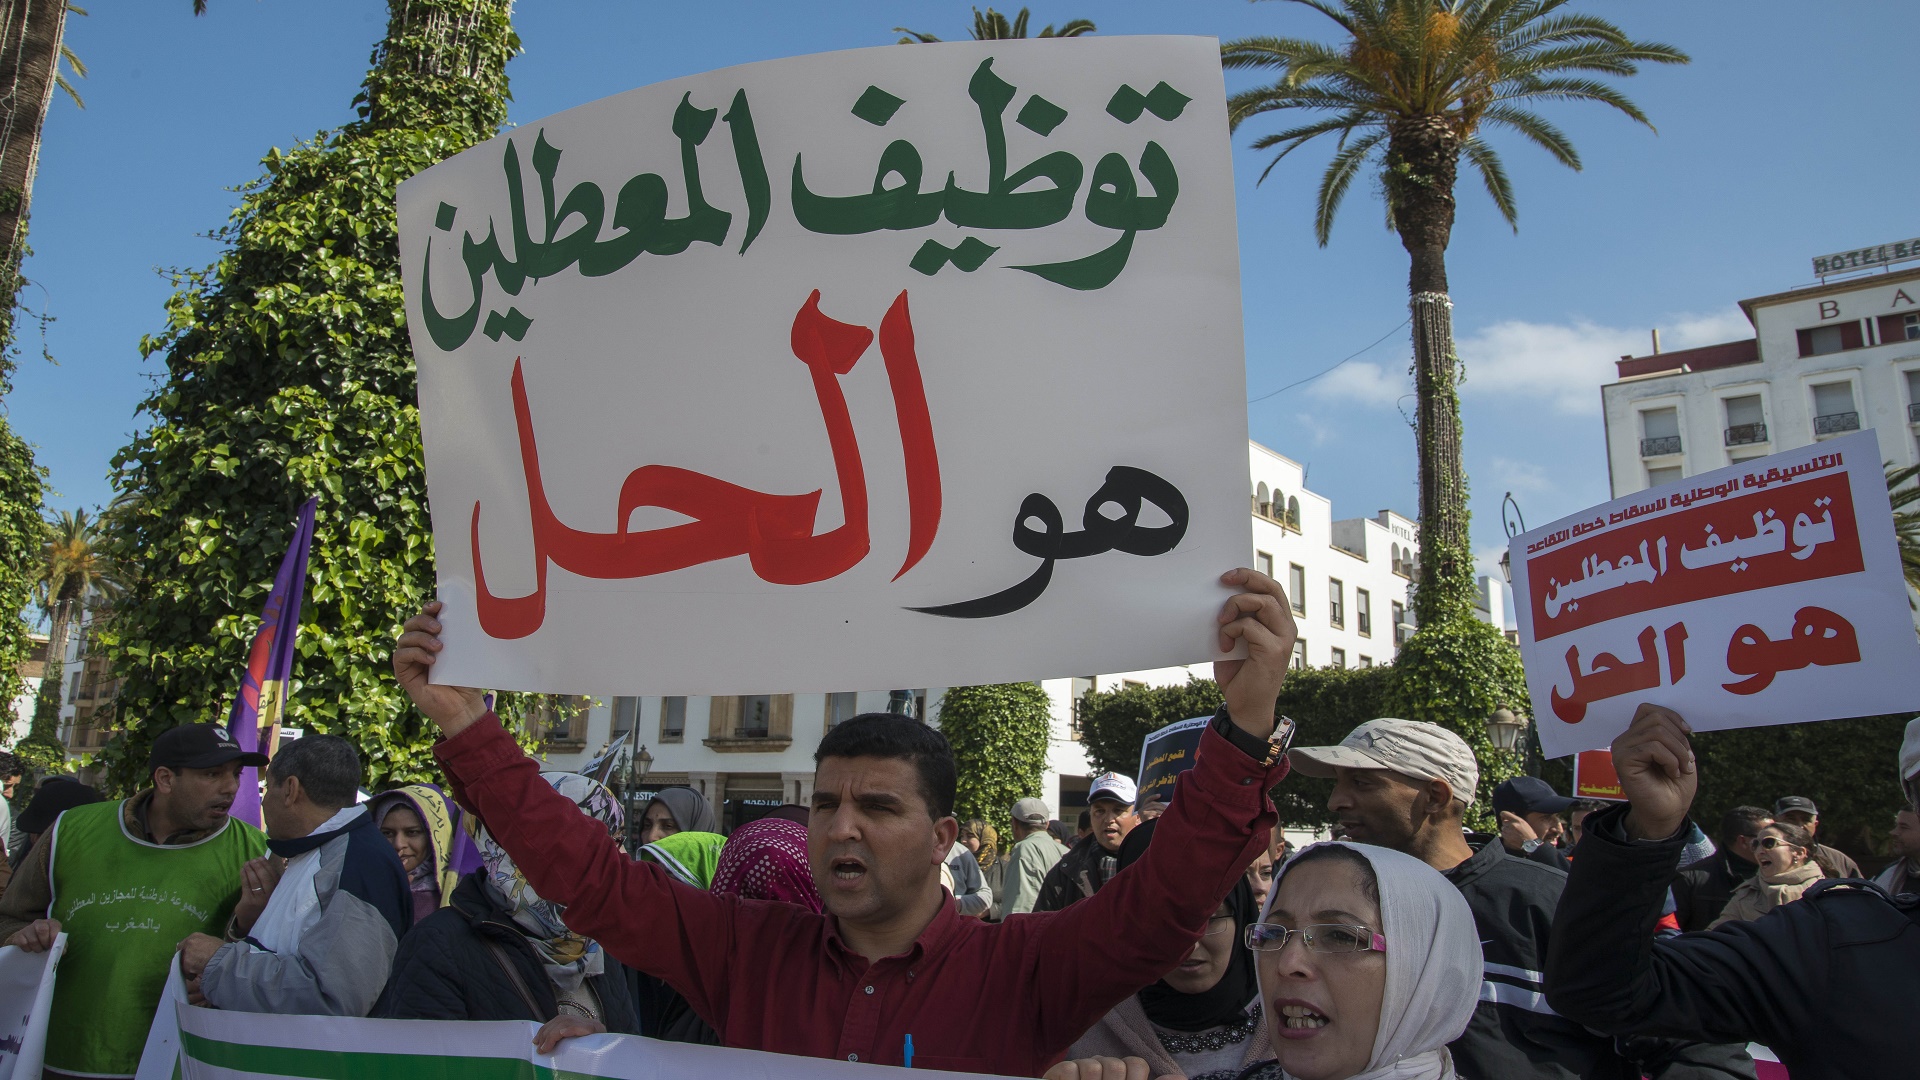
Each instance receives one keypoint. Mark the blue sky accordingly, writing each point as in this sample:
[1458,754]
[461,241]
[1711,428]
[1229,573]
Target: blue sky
[1789,136]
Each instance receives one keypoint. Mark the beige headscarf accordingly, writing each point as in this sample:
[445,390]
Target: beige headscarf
[1433,966]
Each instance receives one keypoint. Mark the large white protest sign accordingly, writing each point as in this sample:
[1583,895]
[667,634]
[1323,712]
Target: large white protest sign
[1769,592]
[918,365]
[26,997]
[228,1045]
[160,1057]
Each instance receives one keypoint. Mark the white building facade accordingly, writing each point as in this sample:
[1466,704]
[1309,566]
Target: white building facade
[1825,360]
[1348,581]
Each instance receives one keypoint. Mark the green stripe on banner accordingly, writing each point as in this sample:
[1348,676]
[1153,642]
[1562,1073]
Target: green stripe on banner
[350,1065]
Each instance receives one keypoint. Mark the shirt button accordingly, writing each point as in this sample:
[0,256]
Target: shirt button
[853,1057]
[869,989]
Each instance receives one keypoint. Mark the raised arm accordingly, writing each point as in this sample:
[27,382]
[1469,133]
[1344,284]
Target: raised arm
[1606,969]
[635,910]
[1141,923]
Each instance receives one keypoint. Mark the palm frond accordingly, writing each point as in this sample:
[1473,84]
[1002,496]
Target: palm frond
[1276,52]
[1336,180]
[1343,18]
[1494,175]
[1570,90]
[1536,128]
[1071,28]
[914,37]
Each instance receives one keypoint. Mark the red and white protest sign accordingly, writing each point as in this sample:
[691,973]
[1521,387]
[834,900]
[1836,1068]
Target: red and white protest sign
[1769,592]
[1594,778]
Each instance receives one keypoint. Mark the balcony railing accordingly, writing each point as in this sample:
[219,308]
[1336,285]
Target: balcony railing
[760,732]
[1835,423]
[1665,444]
[1745,434]
[1913,413]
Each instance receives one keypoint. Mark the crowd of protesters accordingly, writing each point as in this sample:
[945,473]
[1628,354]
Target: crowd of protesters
[1183,938]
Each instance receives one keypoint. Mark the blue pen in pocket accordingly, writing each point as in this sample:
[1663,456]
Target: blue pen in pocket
[908,1053]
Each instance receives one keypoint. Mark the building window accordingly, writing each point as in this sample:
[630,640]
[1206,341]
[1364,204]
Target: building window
[1399,623]
[1669,475]
[842,707]
[1822,340]
[1293,513]
[1365,660]
[756,712]
[1337,657]
[1659,432]
[673,719]
[1336,602]
[565,720]
[1297,588]
[1910,327]
[1913,396]
[1746,423]
[920,705]
[1263,562]
[1833,411]
[1363,612]
[626,715]
[1299,654]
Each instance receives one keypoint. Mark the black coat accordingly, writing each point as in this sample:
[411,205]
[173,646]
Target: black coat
[445,971]
[1701,889]
[1074,878]
[1828,982]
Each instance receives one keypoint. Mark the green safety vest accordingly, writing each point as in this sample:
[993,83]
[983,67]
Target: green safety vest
[124,904]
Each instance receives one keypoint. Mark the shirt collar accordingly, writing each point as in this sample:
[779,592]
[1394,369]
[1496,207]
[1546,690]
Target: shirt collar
[933,939]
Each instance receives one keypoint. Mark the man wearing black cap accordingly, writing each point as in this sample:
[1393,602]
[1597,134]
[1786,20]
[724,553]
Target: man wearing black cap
[127,881]
[1800,810]
[1530,824]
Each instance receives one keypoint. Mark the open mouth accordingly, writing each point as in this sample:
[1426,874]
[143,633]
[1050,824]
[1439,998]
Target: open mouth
[848,871]
[1301,1018]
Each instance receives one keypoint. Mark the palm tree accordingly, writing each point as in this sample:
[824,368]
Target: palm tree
[993,26]
[74,572]
[1414,87]
[1905,496]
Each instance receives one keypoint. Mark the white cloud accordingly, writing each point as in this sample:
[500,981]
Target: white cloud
[1565,364]
[1318,431]
[1362,383]
[1515,475]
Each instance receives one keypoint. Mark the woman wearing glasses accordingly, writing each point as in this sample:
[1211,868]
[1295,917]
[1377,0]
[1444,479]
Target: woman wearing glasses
[1367,964]
[1784,852]
[1202,1020]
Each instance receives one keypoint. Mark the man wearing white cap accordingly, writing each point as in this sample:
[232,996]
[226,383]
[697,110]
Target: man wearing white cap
[1407,785]
[1094,860]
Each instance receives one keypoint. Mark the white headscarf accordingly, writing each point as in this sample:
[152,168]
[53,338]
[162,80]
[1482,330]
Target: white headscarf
[1433,965]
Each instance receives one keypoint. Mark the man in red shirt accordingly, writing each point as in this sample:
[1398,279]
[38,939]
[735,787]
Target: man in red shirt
[890,964]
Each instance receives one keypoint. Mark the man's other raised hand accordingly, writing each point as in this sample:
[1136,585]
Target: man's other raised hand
[1655,761]
[452,708]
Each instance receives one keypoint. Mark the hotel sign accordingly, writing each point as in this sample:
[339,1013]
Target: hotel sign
[1867,258]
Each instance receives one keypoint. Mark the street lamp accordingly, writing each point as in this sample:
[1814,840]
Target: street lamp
[642,764]
[1505,730]
[1515,524]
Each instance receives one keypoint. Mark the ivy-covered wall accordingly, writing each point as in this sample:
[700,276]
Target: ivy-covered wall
[288,373]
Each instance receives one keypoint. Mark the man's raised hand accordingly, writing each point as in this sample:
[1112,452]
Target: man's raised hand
[451,708]
[1260,617]
[1655,762]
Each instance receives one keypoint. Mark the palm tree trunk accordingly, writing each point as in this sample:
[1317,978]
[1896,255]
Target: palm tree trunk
[1422,162]
[30,32]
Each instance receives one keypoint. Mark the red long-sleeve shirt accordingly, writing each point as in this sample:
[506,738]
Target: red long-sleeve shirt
[1006,998]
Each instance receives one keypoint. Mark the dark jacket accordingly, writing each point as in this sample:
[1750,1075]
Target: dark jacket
[1513,1033]
[1701,889]
[445,970]
[1827,982]
[1078,875]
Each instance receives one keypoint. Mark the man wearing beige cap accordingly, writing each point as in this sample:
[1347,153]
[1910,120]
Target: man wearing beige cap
[1406,785]
[1034,853]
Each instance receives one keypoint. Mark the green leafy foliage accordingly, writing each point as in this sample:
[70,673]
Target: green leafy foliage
[999,736]
[289,374]
[1115,723]
[1455,674]
[22,483]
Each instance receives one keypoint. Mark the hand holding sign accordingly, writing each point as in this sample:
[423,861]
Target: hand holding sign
[1260,619]
[1655,761]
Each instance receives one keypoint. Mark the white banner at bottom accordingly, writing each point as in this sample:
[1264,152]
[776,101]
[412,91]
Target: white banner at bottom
[26,996]
[218,1045]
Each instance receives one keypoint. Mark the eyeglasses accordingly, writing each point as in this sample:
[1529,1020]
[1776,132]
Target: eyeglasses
[1219,924]
[1771,842]
[1319,938]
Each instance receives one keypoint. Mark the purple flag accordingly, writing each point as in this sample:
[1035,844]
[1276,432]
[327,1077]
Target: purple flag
[263,688]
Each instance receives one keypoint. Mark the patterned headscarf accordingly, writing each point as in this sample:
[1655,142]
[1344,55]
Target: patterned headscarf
[989,838]
[451,853]
[767,860]
[568,957]
[689,856]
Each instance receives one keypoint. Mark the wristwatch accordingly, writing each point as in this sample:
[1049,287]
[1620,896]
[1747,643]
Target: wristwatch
[1267,751]
[1533,845]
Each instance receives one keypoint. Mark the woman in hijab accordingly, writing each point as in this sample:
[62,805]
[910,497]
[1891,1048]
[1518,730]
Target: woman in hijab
[1788,864]
[675,809]
[498,951]
[1368,966]
[1202,1020]
[689,856]
[767,860]
[424,828]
